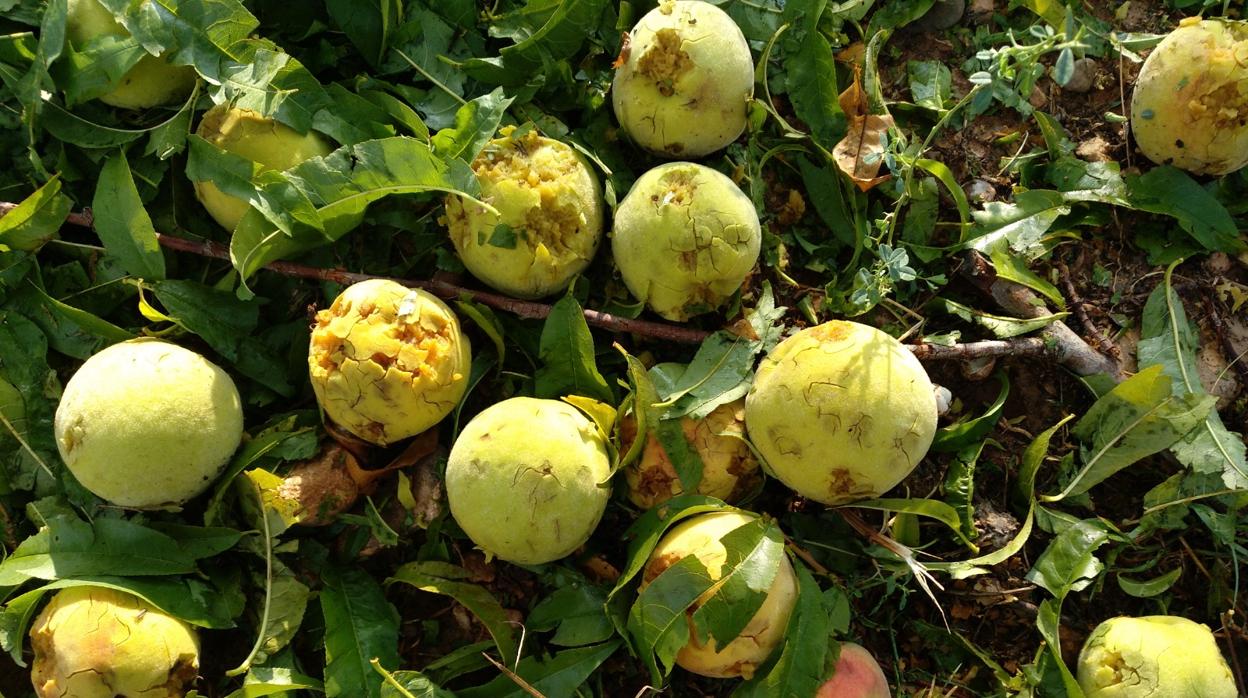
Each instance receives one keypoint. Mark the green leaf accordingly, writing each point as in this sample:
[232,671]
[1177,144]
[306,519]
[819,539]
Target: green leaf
[1069,563]
[812,88]
[1020,224]
[1002,327]
[567,354]
[1138,418]
[1169,340]
[36,219]
[930,84]
[69,330]
[959,487]
[367,24]
[1172,192]
[683,456]
[123,224]
[959,435]
[645,414]
[341,186]
[1048,621]
[447,580]
[560,675]
[67,548]
[410,684]
[1011,267]
[800,669]
[360,625]
[575,613]
[227,324]
[475,124]
[1148,588]
[1033,457]
[930,508]
[97,66]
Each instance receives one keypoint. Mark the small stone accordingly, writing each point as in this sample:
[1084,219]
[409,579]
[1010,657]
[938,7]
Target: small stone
[1084,77]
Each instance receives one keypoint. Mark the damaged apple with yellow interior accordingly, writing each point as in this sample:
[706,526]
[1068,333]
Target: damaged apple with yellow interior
[1189,107]
[684,80]
[387,361]
[701,536]
[684,239]
[1157,656]
[264,141]
[96,642]
[729,468]
[841,411]
[549,215]
[527,479]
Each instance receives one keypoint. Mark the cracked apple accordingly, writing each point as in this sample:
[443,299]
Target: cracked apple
[700,536]
[840,412]
[729,468]
[547,219]
[264,141]
[526,479]
[151,82]
[96,642]
[1154,657]
[684,80]
[1189,107]
[147,424]
[387,361]
[684,239]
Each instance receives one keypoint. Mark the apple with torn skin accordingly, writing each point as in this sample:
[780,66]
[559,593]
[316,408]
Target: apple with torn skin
[1153,657]
[684,80]
[549,219]
[96,642]
[684,239]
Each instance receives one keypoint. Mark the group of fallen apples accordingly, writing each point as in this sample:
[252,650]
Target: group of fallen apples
[837,412]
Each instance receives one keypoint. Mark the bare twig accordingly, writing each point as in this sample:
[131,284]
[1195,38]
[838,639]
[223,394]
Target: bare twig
[1068,348]
[1020,347]
[515,678]
[1081,313]
[1224,338]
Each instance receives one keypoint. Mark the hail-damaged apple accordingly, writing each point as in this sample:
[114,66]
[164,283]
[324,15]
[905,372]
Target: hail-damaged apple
[684,239]
[1153,656]
[684,80]
[1190,104]
[701,537]
[527,479]
[96,642]
[549,215]
[264,141]
[387,361]
[841,411]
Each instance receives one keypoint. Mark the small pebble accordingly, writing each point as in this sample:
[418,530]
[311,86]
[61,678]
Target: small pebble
[1084,76]
[980,191]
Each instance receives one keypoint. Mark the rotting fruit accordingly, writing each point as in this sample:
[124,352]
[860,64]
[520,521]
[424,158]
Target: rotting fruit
[148,424]
[264,141]
[684,80]
[1153,656]
[841,411]
[387,361]
[701,536]
[96,642]
[729,468]
[151,82]
[549,219]
[684,239]
[526,479]
[1190,104]
[857,675]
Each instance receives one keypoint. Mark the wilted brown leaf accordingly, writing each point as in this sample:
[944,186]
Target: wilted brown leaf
[859,152]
